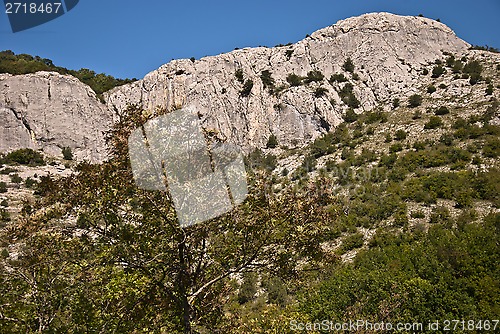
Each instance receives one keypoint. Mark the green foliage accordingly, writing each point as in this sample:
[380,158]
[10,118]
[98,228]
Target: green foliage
[442,274]
[309,163]
[267,80]
[294,80]
[247,88]
[4,215]
[350,116]
[314,76]
[414,101]
[396,103]
[485,48]
[395,148]
[431,89]
[4,203]
[371,117]
[441,111]
[257,159]
[473,69]
[23,64]
[289,53]
[425,71]
[248,288]
[67,153]
[272,142]
[400,135]
[337,77]
[29,182]
[433,123]
[437,71]
[348,65]
[15,178]
[351,242]
[491,148]
[347,96]
[489,89]
[3,187]
[25,156]
[320,91]
[239,75]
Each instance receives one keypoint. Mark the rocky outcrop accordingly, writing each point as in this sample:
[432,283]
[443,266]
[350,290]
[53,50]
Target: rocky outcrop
[388,52]
[49,111]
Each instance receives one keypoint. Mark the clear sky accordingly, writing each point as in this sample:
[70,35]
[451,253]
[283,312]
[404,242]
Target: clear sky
[128,38]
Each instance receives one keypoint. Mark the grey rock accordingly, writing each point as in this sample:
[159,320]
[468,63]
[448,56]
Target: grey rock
[388,51]
[48,111]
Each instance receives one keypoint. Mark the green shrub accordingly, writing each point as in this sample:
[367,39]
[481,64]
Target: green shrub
[309,163]
[294,80]
[67,153]
[473,69]
[320,91]
[415,101]
[350,116]
[425,71]
[288,53]
[239,75]
[272,142]
[248,287]
[247,88]
[4,203]
[26,156]
[29,182]
[439,215]
[267,80]
[433,123]
[347,96]
[351,242]
[337,77]
[442,111]
[395,103]
[348,65]
[15,178]
[3,187]
[442,86]
[314,76]
[491,148]
[395,148]
[489,89]
[400,135]
[431,89]
[7,170]
[417,214]
[437,71]
[4,215]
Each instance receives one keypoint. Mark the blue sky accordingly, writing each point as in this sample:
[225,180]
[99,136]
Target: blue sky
[128,38]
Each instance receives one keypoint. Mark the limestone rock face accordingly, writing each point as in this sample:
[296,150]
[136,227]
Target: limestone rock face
[48,111]
[388,51]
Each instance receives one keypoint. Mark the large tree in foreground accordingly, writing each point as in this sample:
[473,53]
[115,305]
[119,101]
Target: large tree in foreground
[97,254]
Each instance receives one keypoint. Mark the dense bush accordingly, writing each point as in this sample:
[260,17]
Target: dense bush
[239,75]
[348,65]
[25,156]
[247,88]
[473,69]
[350,116]
[437,71]
[348,97]
[400,135]
[414,101]
[294,80]
[67,153]
[272,142]
[442,111]
[337,77]
[314,76]
[267,80]
[433,123]
[431,89]
[320,91]
[3,187]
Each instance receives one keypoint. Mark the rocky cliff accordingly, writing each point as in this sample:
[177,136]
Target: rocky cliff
[388,52]
[49,111]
